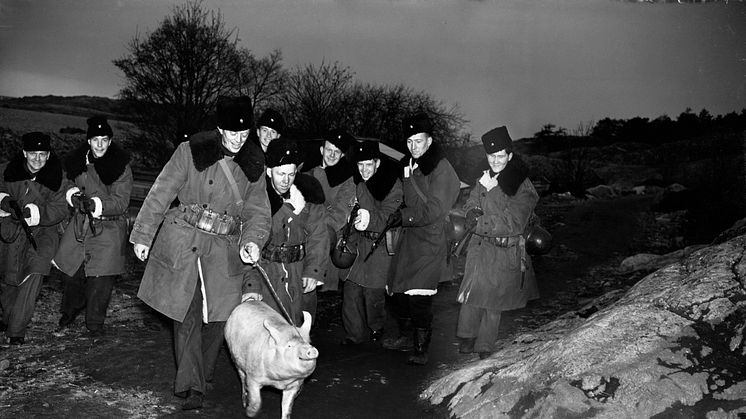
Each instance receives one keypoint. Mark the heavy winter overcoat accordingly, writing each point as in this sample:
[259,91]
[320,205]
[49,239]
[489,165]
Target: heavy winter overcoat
[180,252]
[108,178]
[423,247]
[44,189]
[307,228]
[381,195]
[495,277]
[339,196]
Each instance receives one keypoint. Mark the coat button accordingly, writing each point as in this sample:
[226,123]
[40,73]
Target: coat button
[209,182]
[194,249]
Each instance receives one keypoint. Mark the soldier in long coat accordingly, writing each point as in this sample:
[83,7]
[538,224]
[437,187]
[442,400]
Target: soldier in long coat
[33,180]
[498,275]
[379,194]
[194,271]
[335,175]
[431,188]
[297,252]
[92,250]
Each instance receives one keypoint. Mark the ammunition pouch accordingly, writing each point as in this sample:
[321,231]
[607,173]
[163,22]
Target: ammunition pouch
[370,235]
[209,221]
[508,241]
[284,253]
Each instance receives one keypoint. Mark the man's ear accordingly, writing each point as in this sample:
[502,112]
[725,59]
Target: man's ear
[269,172]
[378,163]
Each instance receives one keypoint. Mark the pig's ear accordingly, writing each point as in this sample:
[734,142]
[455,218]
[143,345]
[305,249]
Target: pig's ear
[273,332]
[305,329]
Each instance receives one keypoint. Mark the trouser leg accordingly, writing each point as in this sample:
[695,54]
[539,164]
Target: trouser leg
[73,295]
[469,318]
[309,301]
[22,308]
[375,307]
[353,313]
[421,309]
[399,304]
[188,348]
[488,328]
[97,294]
[212,341]
[8,295]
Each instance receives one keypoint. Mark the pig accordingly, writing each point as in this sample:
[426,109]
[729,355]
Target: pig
[268,351]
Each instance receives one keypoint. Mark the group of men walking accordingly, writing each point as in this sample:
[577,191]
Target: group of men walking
[249,225]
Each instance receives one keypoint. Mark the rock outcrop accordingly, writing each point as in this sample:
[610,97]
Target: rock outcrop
[673,344]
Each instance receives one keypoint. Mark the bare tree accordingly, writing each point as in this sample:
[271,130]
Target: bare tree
[262,79]
[176,73]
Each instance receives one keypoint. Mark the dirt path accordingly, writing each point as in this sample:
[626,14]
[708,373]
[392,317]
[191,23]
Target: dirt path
[129,372]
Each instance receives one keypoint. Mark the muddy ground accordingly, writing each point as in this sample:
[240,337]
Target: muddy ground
[129,372]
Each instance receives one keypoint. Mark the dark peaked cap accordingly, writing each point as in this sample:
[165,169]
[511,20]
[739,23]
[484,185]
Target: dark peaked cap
[497,139]
[36,141]
[340,138]
[235,113]
[98,127]
[282,151]
[416,124]
[272,119]
[366,150]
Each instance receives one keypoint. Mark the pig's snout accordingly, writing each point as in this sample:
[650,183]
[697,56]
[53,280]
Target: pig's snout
[309,353]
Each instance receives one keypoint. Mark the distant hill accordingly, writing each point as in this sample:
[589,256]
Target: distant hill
[72,105]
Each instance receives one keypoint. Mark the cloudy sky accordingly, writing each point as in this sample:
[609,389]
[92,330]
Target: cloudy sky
[518,63]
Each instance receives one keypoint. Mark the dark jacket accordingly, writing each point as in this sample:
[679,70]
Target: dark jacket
[500,278]
[421,256]
[109,179]
[194,176]
[381,195]
[44,189]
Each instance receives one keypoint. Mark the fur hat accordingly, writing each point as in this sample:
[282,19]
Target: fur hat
[366,150]
[36,141]
[416,124]
[340,138]
[271,119]
[98,126]
[235,113]
[497,139]
[283,151]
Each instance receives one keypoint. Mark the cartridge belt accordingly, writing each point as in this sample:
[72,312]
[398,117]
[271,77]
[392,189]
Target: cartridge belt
[508,241]
[209,221]
[284,253]
[370,235]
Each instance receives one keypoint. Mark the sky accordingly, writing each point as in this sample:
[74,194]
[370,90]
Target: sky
[519,63]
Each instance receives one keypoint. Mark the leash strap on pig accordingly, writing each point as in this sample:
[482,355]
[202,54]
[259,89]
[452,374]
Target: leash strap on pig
[274,294]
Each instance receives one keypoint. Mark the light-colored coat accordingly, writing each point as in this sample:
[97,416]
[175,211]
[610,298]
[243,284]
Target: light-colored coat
[194,176]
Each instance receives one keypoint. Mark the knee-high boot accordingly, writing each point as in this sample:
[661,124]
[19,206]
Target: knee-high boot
[421,343]
[404,342]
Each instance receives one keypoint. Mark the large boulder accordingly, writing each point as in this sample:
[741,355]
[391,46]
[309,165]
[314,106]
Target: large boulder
[672,345]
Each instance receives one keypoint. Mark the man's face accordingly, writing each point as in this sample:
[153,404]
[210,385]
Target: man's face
[418,144]
[498,160]
[282,177]
[233,140]
[331,154]
[35,160]
[368,168]
[99,145]
[266,135]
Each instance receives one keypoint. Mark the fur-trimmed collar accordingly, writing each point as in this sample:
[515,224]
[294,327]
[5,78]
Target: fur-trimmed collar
[206,151]
[50,175]
[338,173]
[379,185]
[308,185]
[428,161]
[511,178]
[109,166]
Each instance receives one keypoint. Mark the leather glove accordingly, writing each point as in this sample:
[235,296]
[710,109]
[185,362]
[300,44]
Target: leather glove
[362,220]
[250,253]
[296,200]
[141,251]
[471,217]
[394,219]
[309,284]
[488,181]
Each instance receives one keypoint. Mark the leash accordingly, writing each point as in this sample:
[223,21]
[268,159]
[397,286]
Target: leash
[274,295]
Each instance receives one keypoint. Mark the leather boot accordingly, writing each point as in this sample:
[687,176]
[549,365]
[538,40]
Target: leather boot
[466,345]
[404,342]
[421,343]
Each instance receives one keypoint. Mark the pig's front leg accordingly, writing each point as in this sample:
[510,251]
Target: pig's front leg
[254,396]
[288,397]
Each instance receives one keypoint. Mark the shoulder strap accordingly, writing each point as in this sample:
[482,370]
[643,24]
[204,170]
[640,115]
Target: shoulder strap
[418,190]
[231,180]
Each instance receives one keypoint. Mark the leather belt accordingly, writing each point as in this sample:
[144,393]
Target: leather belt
[109,217]
[508,241]
[209,221]
[370,235]
[284,253]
